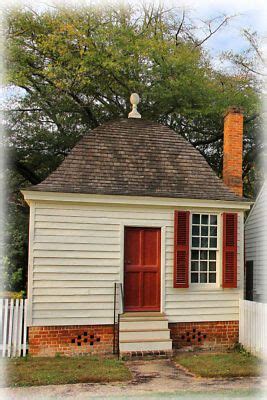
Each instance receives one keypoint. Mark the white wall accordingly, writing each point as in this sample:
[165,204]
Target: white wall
[256,245]
[76,254]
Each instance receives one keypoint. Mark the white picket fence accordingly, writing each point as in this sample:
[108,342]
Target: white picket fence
[253,327]
[13,332]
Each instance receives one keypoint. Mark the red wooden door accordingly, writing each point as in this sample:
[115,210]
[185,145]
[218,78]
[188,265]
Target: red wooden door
[142,269]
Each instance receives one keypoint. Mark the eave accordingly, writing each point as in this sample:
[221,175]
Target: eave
[33,196]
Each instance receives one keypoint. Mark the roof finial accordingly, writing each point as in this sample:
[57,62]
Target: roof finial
[134,99]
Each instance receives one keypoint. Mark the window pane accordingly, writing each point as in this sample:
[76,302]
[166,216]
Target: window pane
[204,238]
[204,219]
[212,278]
[194,266]
[194,255]
[203,254]
[204,242]
[212,266]
[196,218]
[212,255]
[213,219]
[203,265]
[213,242]
[195,230]
[195,242]
[213,231]
[203,278]
[204,231]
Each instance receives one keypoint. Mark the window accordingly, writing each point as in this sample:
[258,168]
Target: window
[204,248]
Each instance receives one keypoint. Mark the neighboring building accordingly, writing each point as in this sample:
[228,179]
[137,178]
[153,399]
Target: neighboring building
[136,203]
[256,249]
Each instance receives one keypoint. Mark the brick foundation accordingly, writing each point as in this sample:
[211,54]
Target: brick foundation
[70,340]
[218,334]
[98,339]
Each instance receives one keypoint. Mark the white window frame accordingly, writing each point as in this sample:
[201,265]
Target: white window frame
[207,286]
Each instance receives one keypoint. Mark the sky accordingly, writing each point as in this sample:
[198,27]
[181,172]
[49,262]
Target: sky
[247,14]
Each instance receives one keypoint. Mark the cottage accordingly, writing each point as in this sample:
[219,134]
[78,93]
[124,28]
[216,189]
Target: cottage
[136,204]
[256,249]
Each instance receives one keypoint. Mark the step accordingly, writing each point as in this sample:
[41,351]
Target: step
[146,345]
[141,334]
[146,319]
[135,325]
[143,314]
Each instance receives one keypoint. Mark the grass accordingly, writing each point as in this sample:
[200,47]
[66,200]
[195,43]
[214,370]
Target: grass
[225,365]
[62,370]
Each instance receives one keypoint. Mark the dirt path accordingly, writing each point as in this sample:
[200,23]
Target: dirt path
[151,379]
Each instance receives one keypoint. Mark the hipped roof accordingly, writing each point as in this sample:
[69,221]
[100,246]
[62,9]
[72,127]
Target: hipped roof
[136,157]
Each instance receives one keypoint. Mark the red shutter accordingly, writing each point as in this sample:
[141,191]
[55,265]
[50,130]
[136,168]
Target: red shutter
[181,249]
[229,250]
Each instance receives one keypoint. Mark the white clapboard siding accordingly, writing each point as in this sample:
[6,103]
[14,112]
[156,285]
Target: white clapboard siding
[77,255]
[81,247]
[77,297]
[78,269]
[71,306]
[75,233]
[95,286]
[76,261]
[71,290]
[253,327]
[186,305]
[73,321]
[13,327]
[256,245]
[48,242]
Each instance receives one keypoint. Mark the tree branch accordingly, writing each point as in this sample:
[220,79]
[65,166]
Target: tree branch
[24,171]
[211,33]
[207,141]
[251,118]
[179,29]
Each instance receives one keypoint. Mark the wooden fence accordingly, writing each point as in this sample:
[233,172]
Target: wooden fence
[253,327]
[13,332]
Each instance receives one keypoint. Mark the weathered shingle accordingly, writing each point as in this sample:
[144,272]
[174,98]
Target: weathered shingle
[139,158]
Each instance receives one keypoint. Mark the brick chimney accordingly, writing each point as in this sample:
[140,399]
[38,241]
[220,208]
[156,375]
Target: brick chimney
[233,150]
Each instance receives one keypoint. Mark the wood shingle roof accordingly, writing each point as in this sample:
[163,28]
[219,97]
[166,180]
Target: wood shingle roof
[136,157]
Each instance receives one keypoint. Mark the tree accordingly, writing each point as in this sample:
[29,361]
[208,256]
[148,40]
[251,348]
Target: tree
[76,68]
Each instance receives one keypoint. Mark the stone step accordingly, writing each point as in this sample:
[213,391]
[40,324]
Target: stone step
[146,345]
[135,325]
[141,334]
[143,318]
[143,314]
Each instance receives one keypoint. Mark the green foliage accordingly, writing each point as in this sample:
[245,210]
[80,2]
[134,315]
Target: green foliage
[15,260]
[239,348]
[215,365]
[76,69]
[61,370]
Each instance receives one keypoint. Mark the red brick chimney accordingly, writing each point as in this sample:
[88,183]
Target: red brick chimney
[233,150]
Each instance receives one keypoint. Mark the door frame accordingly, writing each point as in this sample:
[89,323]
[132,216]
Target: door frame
[145,224]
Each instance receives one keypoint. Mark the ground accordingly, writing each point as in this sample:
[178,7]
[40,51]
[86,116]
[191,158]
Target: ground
[151,379]
[220,365]
[36,371]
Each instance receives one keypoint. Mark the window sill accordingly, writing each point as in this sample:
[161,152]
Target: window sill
[204,286]
[197,287]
